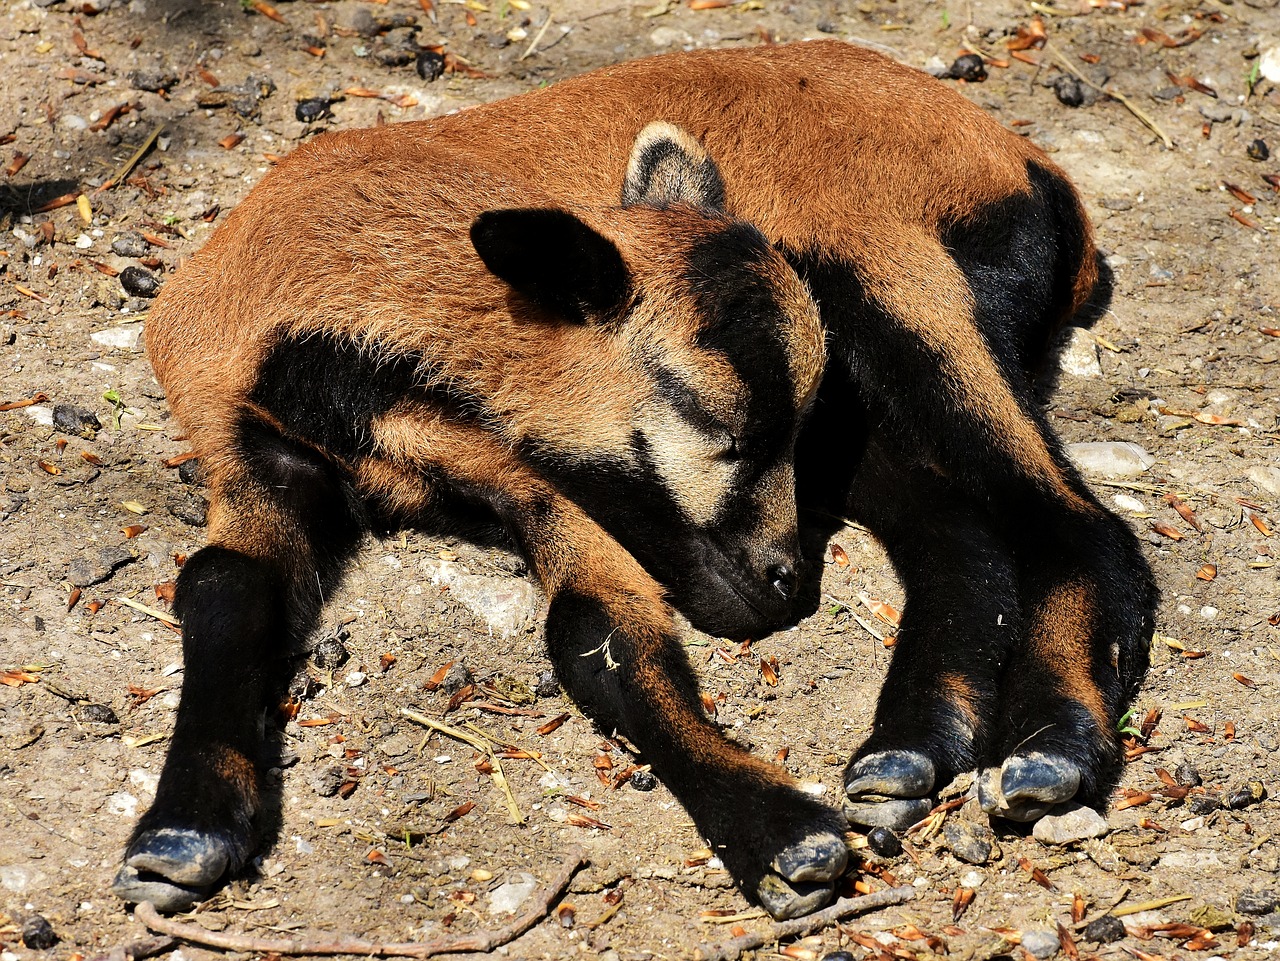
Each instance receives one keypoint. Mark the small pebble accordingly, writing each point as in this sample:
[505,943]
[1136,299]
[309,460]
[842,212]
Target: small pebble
[1258,150]
[884,843]
[1246,795]
[969,841]
[643,781]
[331,653]
[190,508]
[76,421]
[327,781]
[139,282]
[430,65]
[838,955]
[1204,803]
[547,685]
[969,68]
[1187,775]
[152,81]
[303,687]
[1104,930]
[1069,90]
[38,933]
[456,678]
[97,567]
[309,111]
[130,244]
[97,714]
[1041,944]
[973,879]
[1069,824]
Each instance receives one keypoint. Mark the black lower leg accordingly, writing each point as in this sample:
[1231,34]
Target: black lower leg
[784,848]
[201,823]
[959,623]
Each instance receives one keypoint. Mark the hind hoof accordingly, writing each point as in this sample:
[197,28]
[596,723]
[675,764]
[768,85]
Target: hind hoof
[1027,786]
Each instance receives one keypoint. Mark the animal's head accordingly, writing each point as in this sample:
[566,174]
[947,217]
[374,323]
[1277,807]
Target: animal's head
[715,350]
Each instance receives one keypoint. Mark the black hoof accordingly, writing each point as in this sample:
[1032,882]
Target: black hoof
[889,789]
[1027,786]
[802,875]
[173,868]
[784,899]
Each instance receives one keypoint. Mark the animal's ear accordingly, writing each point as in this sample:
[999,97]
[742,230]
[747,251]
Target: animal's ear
[668,166]
[554,259]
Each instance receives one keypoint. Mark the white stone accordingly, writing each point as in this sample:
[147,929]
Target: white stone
[1130,504]
[1070,823]
[145,781]
[1110,458]
[40,414]
[507,897]
[84,242]
[973,879]
[124,337]
[1079,355]
[1269,63]
[506,604]
[1266,477]
[122,804]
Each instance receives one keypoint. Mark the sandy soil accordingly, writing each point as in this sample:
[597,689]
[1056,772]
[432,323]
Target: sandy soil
[1186,364]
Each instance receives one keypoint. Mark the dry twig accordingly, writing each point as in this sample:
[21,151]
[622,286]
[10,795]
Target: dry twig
[479,941]
[143,948]
[798,928]
[1125,101]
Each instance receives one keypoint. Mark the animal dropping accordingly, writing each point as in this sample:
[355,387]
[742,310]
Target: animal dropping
[630,318]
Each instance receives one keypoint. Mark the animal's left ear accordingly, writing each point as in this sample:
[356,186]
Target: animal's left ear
[668,166]
[554,259]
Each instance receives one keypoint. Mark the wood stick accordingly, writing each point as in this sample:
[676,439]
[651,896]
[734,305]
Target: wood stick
[479,941]
[799,927]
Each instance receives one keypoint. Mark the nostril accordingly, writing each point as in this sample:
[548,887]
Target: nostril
[783,579]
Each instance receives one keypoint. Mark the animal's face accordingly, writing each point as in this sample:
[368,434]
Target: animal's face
[716,350]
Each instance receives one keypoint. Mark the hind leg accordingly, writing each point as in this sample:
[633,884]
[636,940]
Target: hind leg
[959,624]
[950,389]
[280,523]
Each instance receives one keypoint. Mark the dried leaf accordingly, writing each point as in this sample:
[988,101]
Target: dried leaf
[1239,193]
[436,679]
[552,725]
[1263,527]
[1207,572]
[1185,512]
[1241,218]
[268,11]
[460,811]
[17,678]
[1247,682]
[838,555]
[1160,527]
[1196,726]
[769,670]
[133,530]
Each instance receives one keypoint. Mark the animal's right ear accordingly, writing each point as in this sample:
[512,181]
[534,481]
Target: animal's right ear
[554,259]
[668,166]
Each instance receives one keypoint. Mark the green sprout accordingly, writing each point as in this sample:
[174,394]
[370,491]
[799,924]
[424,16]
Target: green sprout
[112,397]
[1123,725]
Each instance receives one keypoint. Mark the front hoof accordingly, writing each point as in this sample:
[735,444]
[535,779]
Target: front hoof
[172,868]
[784,899]
[818,857]
[889,789]
[1027,786]
[136,888]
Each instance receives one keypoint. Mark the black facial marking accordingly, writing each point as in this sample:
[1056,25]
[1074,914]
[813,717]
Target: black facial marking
[744,323]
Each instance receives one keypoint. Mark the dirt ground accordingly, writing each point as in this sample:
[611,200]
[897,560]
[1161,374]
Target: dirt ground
[388,833]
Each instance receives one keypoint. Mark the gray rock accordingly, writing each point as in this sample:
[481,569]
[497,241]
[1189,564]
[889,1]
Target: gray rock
[1110,458]
[130,244]
[547,685]
[98,566]
[1068,824]
[1041,944]
[327,781]
[1258,902]
[969,841]
[77,421]
[330,653]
